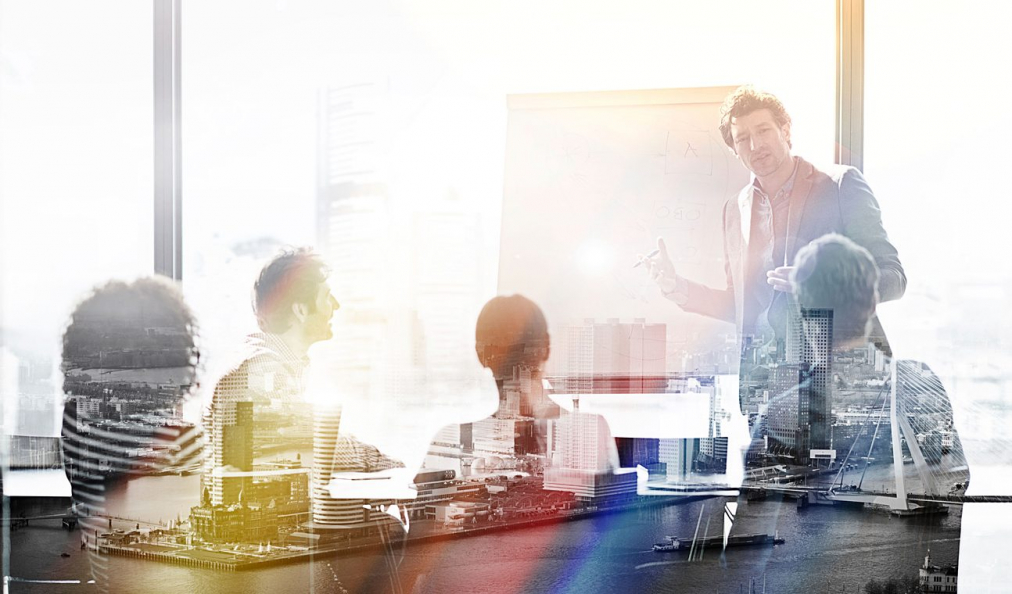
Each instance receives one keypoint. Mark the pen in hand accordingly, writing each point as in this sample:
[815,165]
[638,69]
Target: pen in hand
[650,255]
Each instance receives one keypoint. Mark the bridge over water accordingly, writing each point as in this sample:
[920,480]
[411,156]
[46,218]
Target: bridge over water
[911,501]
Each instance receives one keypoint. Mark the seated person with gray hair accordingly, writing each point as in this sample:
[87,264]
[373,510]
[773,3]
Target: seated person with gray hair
[830,394]
[834,274]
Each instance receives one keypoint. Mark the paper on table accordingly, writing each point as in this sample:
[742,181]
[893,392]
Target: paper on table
[394,483]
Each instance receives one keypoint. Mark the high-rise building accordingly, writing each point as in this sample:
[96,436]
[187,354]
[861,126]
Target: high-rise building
[581,454]
[327,511]
[330,456]
[230,433]
[237,450]
[233,508]
[678,456]
[816,403]
[580,442]
[445,284]
[408,283]
[326,426]
[617,357]
[782,416]
[800,410]
[713,447]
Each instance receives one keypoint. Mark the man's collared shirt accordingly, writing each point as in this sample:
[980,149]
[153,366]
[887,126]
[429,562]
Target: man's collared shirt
[767,247]
[781,213]
[271,376]
[756,289]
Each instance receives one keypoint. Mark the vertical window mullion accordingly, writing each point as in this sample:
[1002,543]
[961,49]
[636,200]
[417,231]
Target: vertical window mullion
[168,232]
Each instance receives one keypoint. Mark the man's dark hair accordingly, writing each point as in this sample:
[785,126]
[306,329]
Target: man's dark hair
[835,273]
[511,331]
[743,101]
[293,276]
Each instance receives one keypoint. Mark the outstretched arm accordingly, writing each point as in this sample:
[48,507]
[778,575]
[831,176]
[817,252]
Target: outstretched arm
[352,455]
[691,296]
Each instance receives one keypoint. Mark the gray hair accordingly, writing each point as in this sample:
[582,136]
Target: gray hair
[835,273]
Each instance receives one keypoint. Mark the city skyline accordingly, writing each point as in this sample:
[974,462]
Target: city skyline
[437,155]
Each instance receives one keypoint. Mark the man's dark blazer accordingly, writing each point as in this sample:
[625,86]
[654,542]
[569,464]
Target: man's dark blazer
[836,201]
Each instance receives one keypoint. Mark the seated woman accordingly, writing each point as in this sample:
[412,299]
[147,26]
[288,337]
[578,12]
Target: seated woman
[129,362]
[562,459]
[529,433]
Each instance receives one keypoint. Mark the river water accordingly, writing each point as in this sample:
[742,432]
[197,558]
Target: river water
[827,550]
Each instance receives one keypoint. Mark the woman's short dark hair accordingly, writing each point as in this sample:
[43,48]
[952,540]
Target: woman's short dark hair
[511,331]
[132,342]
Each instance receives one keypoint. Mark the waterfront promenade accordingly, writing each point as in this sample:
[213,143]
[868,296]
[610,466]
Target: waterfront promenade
[225,558]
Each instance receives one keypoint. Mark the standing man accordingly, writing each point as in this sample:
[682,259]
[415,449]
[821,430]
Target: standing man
[787,204]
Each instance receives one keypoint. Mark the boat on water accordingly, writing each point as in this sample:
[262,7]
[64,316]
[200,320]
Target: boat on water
[931,509]
[675,543]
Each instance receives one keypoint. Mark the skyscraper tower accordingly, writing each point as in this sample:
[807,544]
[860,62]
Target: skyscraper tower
[333,454]
[611,357]
[580,441]
[351,193]
[678,456]
[801,384]
[231,437]
[445,282]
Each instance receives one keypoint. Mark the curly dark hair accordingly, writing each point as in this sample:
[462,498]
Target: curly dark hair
[293,276]
[140,324]
[743,101]
[120,342]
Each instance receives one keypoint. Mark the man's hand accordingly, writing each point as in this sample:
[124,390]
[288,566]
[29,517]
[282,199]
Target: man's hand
[660,267]
[780,278]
